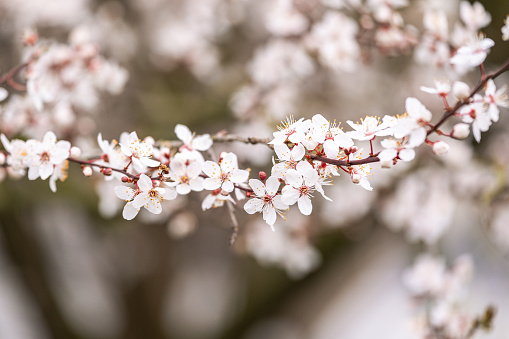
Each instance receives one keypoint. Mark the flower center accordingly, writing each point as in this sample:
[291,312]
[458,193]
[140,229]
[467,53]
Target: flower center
[45,157]
[184,179]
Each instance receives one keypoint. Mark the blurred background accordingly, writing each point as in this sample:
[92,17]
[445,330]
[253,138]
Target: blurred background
[71,267]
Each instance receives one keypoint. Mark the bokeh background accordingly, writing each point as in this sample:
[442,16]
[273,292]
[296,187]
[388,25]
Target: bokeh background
[72,268]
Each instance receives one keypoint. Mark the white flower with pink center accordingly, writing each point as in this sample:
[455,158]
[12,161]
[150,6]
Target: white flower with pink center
[288,159]
[494,99]
[301,183]
[371,127]
[473,53]
[477,115]
[185,176]
[139,151]
[330,135]
[224,175]
[395,148]
[291,130]
[191,141]
[267,200]
[42,156]
[413,123]
[146,195]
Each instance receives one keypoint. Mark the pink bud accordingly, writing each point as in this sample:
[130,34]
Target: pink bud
[262,176]
[107,171]
[125,179]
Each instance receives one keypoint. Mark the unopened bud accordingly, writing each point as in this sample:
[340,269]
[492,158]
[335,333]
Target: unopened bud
[125,179]
[356,178]
[262,176]
[30,37]
[107,171]
[386,163]
[75,151]
[460,131]
[87,171]
[440,147]
[149,140]
[461,90]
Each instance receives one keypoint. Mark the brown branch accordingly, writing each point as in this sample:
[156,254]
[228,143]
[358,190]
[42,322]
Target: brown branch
[335,162]
[459,104]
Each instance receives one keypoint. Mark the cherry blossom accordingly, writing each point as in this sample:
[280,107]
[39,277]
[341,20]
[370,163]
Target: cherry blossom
[495,98]
[300,184]
[138,151]
[474,15]
[442,88]
[473,53]
[185,176]
[288,159]
[291,130]
[191,141]
[370,127]
[147,195]
[476,114]
[267,200]
[216,199]
[395,148]
[42,156]
[330,136]
[224,175]
[413,123]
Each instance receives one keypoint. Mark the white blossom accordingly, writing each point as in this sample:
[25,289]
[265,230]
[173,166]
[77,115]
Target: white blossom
[371,127]
[145,195]
[140,152]
[267,200]
[473,53]
[224,175]
[413,123]
[300,184]
[495,99]
[42,156]
[185,176]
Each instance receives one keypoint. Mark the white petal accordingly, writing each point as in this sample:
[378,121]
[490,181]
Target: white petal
[130,211]
[211,169]
[239,176]
[144,183]
[293,178]
[228,186]
[149,162]
[290,195]
[305,206]
[126,150]
[298,152]
[183,133]
[3,93]
[202,142]
[49,140]
[193,169]
[168,194]
[282,151]
[211,183]
[124,192]
[183,189]
[257,186]
[331,149]
[33,172]
[253,205]
[46,170]
[140,200]
[407,154]
[278,203]
[196,184]
[272,185]
[153,205]
[269,215]
[388,154]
